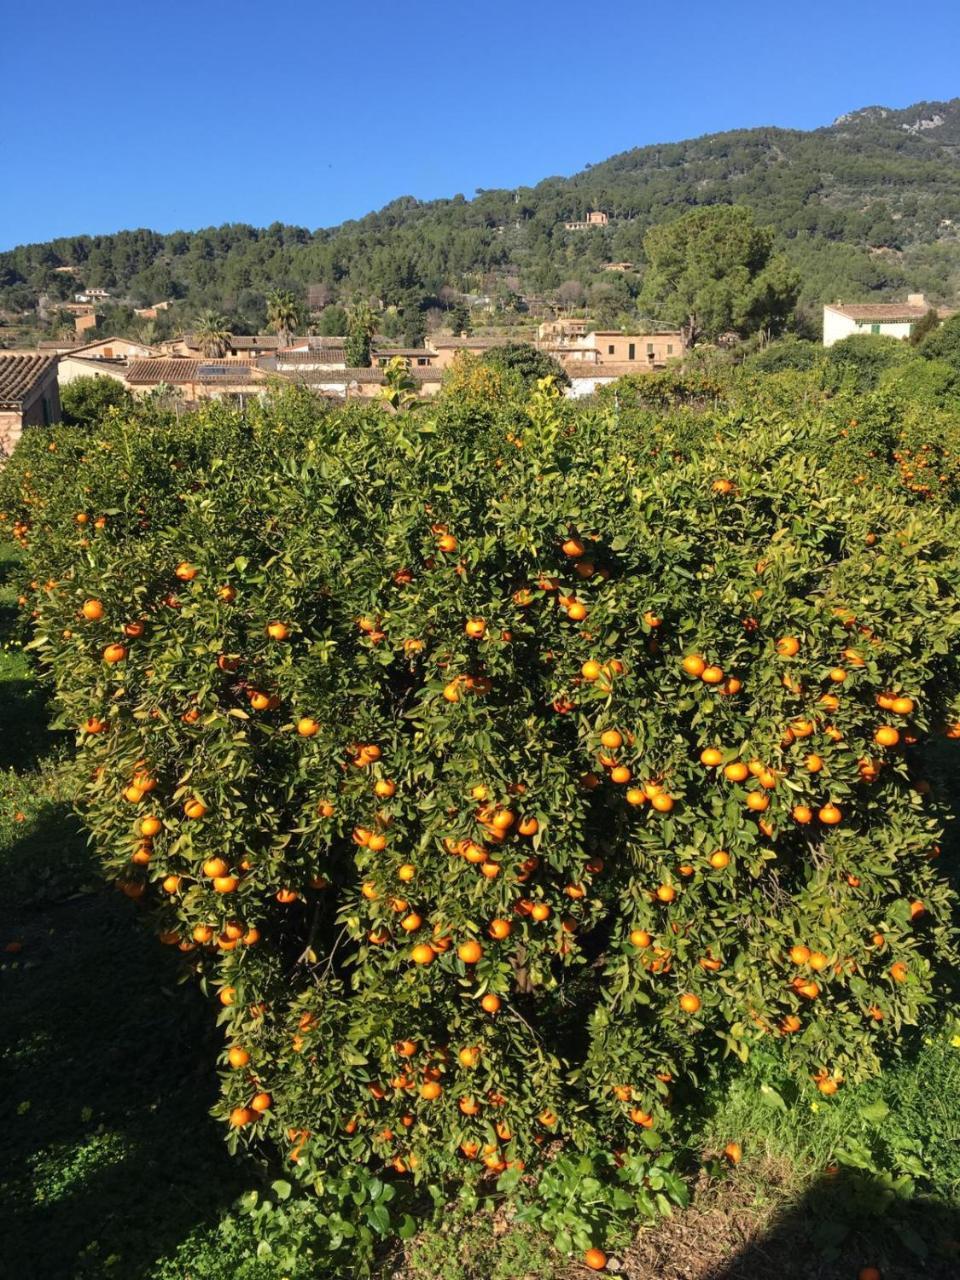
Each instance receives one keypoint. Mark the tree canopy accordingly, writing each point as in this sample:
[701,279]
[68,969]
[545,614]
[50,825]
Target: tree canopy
[714,270]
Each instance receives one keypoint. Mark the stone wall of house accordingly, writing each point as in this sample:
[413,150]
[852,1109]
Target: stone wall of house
[10,431]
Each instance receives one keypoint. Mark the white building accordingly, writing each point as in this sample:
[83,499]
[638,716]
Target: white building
[889,319]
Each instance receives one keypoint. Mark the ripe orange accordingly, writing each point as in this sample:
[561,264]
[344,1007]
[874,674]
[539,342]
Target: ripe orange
[693,664]
[384,788]
[261,1102]
[802,813]
[286,896]
[240,1116]
[711,675]
[733,1152]
[194,808]
[757,801]
[114,653]
[469,1057]
[639,938]
[837,675]
[430,1089]
[576,611]
[799,954]
[620,774]
[902,706]
[719,859]
[277,630]
[711,757]
[150,827]
[788,646]
[226,884]
[447,542]
[666,893]
[736,771]
[94,725]
[690,1003]
[595,1259]
[92,610]
[214,867]
[898,971]
[238,1057]
[540,911]
[591,670]
[185,571]
[475,628]
[470,952]
[307,727]
[830,815]
[887,736]
[662,802]
[869,1273]
[818,961]
[500,929]
[612,739]
[814,763]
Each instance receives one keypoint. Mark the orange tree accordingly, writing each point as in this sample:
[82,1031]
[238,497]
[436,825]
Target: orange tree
[502,768]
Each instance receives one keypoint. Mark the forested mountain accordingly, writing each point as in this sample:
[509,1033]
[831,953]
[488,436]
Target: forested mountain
[867,206]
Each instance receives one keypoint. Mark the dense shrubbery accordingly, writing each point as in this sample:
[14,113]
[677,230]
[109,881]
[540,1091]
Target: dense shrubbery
[503,768]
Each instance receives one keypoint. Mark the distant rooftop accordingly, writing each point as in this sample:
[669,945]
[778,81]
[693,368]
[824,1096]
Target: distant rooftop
[179,371]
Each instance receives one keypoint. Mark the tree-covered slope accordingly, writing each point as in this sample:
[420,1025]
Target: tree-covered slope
[867,205]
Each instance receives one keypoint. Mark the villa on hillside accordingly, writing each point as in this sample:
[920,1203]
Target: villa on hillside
[595,218]
[888,319]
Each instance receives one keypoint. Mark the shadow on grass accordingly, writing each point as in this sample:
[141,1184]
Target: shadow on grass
[24,736]
[846,1223]
[108,1157]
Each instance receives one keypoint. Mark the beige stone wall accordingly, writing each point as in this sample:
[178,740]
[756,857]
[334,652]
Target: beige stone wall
[636,348]
[10,430]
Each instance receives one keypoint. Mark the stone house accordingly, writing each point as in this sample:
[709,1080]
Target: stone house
[29,396]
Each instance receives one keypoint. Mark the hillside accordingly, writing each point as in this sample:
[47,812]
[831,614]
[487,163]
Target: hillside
[868,205]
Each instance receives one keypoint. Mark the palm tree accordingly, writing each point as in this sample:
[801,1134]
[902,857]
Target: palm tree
[283,314]
[212,334]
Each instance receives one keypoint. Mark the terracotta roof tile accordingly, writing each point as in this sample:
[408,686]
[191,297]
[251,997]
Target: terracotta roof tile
[19,374]
[885,311]
[177,371]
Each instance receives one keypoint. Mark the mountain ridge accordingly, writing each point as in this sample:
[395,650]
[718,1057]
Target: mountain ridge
[869,204]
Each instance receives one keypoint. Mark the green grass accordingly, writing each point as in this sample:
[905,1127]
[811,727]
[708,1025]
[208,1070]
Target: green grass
[110,1165]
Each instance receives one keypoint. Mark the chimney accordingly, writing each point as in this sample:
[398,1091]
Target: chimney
[916,300]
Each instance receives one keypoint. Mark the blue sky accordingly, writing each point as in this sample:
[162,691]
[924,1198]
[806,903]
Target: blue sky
[183,115]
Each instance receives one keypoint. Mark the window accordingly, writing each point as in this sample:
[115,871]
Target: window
[632,351]
[874,328]
[422,361]
[649,348]
[669,348]
[611,350]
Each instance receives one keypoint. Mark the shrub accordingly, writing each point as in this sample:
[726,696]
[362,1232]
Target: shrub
[85,401]
[502,769]
[526,363]
[862,358]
